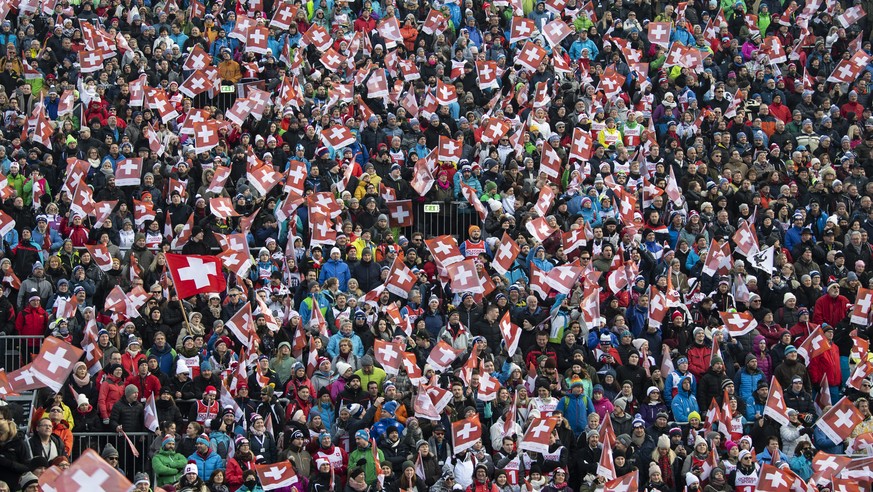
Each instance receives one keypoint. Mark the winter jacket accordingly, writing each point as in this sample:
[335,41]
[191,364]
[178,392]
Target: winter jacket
[684,403]
[336,269]
[576,409]
[14,460]
[830,310]
[111,391]
[130,416]
[147,386]
[168,467]
[698,359]
[370,466]
[746,383]
[206,464]
[710,387]
[828,364]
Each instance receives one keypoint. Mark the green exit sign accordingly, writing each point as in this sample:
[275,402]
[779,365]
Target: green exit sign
[431,208]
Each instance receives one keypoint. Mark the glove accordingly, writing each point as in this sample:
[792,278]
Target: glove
[105,421]
[806,431]
[361,462]
[807,418]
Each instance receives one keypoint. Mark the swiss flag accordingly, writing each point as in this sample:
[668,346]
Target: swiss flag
[400,212]
[848,70]
[772,479]
[776,408]
[521,28]
[531,56]
[389,355]
[862,371]
[536,438]
[851,16]
[242,108]
[577,238]
[240,324]
[241,28]
[464,276]
[277,475]
[611,82]
[219,178]
[389,29]
[101,256]
[442,355]
[505,254]
[422,178]
[494,130]
[738,324]
[195,274]
[511,333]
[813,345]
[746,239]
[563,278]
[222,207]
[337,136]
[318,36]
[556,31]
[772,47]
[444,249]
[582,145]
[538,281]
[544,201]
[321,230]
[66,103]
[295,177]
[128,172]
[489,386]
[625,483]
[197,59]
[91,472]
[540,229]
[400,279]
[196,83]
[550,162]
[205,136]
[825,465]
[449,150]
[91,60]
[264,178]
[157,99]
[657,306]
[605,467]
[861,308]
[435,22]
[465,433]
[446,93]
[431,399]
[860,347]
[470,194]
[332,60]
[659,33]
[55,362]
[284,16]
[839,422]
[377,84]
[487,71]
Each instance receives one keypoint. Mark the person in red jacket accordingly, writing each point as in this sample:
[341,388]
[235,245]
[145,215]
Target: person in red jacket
[147,383]
[132,356]
[828,364]
[699,353]
[32,321]
[243,460]
[832,307]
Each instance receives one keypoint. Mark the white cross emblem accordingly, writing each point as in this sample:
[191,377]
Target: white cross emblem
[530,55]
[565,274]
[389,30]
[828,463]
[86,481]
[56,360]
[446,355]
[485,72]
[243,107]
[608,82]
[541,427]
[161,104]
[778,397]
[504,251]
[231,261]
[844,419]
[284,14]
[659,31]
[544,229]
[463,274]
[467,431]
[198,83]
[864,303]
[445,93]
[388,353]
[776,480]
[92,58]
[197,117]
[25,376]
[323,229]
[317,36]
[257,36]
[337,133]
[197,271]
[205,135]
[442,249]
[401,214]
[333,60]
[556,30]
[223,209]
[816,342]
[296,174]
[198,60]
[450,147]
[846,72]
[523,29]
[275,473]
[402,275]
[486,384]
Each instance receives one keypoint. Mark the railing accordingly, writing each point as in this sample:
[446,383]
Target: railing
[439,218]
[15,350]
[126,460]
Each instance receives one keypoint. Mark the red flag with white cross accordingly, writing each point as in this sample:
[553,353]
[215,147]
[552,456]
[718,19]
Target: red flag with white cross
[276,475]
[400,279]
[389,355]
[772,479]
[839,422]
[55,362]
[505,254]
[91,472]
[465,433]
[449,150]
[195,274]
[400,212]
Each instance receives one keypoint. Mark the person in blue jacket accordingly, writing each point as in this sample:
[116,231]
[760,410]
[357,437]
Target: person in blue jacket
[205,458]
[684,402]
[336,268]
[346,331]
[576,406]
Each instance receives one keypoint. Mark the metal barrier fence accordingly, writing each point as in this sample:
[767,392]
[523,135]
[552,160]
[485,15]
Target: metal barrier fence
[15,350]
[439,218]
[127,461]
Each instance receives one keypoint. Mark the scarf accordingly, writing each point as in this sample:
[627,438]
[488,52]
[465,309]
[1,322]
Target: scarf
[82,381]
[666,470]
[354,485]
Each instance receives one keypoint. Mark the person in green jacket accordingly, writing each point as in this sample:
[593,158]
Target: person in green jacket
[167,463]
[362,456]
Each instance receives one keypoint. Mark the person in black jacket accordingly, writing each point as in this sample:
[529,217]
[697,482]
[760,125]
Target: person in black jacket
[488,326]
[367,271]
[128,413]
[393,448]
[15,454]
[43,443]
[710,383]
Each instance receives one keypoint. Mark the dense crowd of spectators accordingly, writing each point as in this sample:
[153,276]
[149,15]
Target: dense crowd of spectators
[733,140]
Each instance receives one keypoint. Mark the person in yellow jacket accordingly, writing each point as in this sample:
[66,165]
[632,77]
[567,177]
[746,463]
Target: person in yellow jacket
[609,135]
